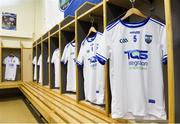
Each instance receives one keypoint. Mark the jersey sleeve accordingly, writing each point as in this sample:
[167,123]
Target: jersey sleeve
[163,44]
[5,61]
[17,62]
[80,59]
[64,57]
[53,57]
[34,60]
[48,60]
[103,49]
[39,60]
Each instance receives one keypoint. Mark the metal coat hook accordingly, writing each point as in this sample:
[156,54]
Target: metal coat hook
[132,3]
[92,19]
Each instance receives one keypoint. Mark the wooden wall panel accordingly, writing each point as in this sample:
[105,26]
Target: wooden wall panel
[27,65]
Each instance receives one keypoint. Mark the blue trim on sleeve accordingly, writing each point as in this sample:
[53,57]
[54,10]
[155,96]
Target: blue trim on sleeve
[97,54]
[101,61]
[164,61]
[165,56]
[63,62]
[112,24]
[108,28]
[79,63]
[99,33]
[158,22]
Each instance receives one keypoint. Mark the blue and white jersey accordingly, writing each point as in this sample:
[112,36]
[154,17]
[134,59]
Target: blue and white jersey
[93,72]
[34,62]
[136,52]
[40,68]
[69,57]
[11,64]
[56,61]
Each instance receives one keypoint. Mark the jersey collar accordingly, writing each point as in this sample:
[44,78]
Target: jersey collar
[90,39]
[135,24]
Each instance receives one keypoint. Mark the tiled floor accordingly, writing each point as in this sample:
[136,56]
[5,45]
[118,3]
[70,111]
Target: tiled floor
[14,110]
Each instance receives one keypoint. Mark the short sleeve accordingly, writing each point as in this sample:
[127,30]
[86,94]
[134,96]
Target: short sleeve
[48,60]
[103,49]
[80,58]
[5,61]
[17,62]
[53,57]
[64,57]
[163,44]
[39,60]
[34,60]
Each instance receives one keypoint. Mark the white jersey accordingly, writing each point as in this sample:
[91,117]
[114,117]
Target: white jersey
[56,60]
[11,67]
[40,69]
[93,71]
[69,57]
[136,52]
[34,62]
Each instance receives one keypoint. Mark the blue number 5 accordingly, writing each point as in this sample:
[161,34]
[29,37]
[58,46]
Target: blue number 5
[135,38]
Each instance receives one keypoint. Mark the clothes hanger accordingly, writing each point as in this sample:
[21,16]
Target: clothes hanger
[133,11]
[11,54]
[73,40]
[92,29]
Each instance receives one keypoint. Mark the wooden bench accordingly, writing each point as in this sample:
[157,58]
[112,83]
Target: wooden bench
[57,108]
[6,85]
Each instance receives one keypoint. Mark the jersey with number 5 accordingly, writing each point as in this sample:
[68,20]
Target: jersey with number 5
[136,52]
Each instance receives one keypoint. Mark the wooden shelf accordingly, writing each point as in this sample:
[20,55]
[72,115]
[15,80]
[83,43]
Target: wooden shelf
[45,40]
[39,40]
[69,26]
[66,21]
[45,36]
[55,34]
[34,44]
[54,29]
[94,11]
[127,3]
[84,8]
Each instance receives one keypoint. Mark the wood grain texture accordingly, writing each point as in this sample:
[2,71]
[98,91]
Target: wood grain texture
[169,38]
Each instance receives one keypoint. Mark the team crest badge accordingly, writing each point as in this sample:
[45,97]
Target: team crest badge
[148,39]
[64,4]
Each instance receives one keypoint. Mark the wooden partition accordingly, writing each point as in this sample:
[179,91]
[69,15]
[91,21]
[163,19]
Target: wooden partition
[45,47]
[0,63]
[34,55]
[38,55]
[92,16]
[54,44]
[67,32]
[6,52]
